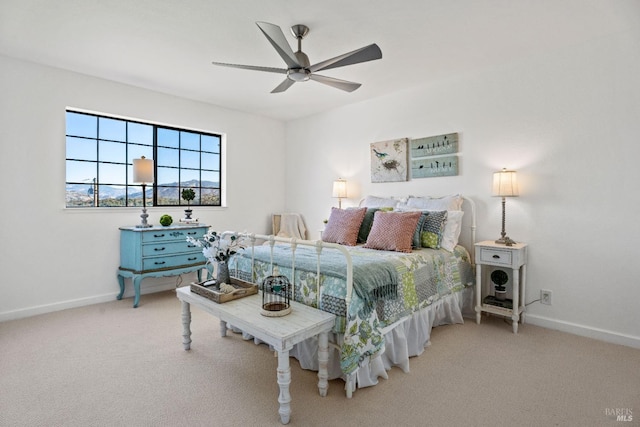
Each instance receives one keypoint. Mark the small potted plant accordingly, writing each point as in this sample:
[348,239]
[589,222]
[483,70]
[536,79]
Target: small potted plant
[188,195]
[166,220]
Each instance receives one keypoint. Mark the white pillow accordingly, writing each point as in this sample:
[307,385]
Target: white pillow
[446,203]
[379,202]
[452,229]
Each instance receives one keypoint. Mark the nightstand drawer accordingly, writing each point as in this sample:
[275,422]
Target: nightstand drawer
[169,248]
[495,257]
[172,261]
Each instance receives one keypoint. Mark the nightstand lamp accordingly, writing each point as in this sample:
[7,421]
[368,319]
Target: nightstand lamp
[505,184]
[143,173]
[340,190]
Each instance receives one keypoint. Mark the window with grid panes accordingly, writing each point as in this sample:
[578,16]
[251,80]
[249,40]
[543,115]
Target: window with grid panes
[99,162]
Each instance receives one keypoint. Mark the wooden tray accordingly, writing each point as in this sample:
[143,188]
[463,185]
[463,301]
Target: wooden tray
[212,292]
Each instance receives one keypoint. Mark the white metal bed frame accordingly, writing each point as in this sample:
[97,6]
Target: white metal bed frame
[271,240]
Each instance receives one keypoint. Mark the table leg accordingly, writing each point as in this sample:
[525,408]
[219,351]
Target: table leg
[523,294]
[223,328]
[515,311]
[478,293]
[284,379]
[323,361]
[186,325]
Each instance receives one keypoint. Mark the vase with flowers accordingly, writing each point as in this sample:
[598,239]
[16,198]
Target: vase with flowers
[218,248]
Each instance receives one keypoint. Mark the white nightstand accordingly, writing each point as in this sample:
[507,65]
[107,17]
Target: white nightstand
[489,253]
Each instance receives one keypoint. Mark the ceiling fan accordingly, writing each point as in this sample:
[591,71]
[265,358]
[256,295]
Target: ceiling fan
[299,69]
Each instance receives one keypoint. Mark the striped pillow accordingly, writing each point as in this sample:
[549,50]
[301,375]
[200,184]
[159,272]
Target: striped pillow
[343,226]
[393,231]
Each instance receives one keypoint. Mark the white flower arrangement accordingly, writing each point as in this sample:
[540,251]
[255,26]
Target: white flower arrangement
[217,248]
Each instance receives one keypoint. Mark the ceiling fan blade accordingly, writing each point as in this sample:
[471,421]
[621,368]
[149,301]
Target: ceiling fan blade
[368,53]
[274,34]
[252,67]
[337,83]
[286,84]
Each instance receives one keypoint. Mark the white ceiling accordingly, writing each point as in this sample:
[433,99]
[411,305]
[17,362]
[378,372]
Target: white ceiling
[168,45]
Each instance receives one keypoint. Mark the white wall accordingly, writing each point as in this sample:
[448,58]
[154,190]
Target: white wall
[52,257]
[568,122]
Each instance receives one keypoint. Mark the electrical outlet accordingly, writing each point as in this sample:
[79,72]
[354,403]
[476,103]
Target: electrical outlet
[545,297]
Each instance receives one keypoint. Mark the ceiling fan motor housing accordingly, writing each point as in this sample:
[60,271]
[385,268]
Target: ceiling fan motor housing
[298,74]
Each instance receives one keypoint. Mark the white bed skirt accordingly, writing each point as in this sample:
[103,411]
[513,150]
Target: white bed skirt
[407,338]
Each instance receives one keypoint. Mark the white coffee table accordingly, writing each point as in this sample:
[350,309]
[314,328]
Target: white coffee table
[280,332]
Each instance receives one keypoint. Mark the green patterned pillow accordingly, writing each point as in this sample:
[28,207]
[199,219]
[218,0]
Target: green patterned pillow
[417,235]
[432,228]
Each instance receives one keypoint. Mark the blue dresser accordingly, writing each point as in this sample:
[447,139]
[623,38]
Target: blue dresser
[157,252]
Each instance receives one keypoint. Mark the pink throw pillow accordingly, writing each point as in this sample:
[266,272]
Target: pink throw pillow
[343,226]
[393,231]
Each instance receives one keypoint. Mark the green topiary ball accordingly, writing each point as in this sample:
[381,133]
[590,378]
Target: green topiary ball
[166,220]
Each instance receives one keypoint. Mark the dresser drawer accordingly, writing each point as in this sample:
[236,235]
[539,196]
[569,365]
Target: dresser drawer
[172,234]
[156,263]
[169,248]
[495,257]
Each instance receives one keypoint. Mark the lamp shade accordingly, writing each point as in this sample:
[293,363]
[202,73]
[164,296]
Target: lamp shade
[505,183]
[143,170]
[340,188]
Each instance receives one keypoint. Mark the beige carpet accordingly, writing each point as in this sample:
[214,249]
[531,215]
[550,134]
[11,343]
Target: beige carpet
[112,365]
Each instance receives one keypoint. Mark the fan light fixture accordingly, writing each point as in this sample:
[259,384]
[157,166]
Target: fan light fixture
[143,173]
[505,184]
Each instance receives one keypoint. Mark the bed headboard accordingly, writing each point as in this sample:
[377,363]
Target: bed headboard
[468,234]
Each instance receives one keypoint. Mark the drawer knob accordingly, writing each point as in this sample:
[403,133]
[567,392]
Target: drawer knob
[160,263]
[496,257]
[158,249]
[158,235]
[192,259]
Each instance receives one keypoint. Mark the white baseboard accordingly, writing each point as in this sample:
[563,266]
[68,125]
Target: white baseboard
[80,302]
[545,322]
[584,331]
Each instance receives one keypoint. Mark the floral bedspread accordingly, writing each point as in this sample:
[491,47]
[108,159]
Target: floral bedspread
[423,277]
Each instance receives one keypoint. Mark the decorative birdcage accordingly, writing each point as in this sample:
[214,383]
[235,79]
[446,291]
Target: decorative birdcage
[276,296]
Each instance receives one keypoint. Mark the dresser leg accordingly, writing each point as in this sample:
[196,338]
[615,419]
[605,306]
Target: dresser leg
[136,288]
[323,361]
[284,379]
[121,283]
[186,325]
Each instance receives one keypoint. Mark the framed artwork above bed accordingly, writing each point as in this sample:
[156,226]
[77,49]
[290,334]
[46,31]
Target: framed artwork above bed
[434,156]
[389,161]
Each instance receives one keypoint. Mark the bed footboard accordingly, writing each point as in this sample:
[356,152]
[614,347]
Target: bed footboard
[250,241]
